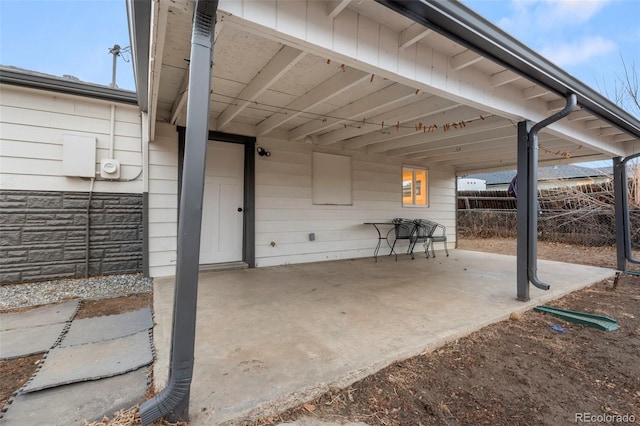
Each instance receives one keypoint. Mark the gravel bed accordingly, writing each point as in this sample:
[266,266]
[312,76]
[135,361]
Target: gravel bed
[14,296]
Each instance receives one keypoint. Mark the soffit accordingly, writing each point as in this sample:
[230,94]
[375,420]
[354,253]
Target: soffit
[262,87]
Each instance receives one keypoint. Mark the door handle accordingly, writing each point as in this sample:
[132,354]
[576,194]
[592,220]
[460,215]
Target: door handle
[239,209]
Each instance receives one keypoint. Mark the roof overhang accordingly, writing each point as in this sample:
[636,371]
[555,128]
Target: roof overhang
[457,22]
[139,16]
[443,92]
[51,83]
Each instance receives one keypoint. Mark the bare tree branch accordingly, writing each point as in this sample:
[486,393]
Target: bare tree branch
[630,87]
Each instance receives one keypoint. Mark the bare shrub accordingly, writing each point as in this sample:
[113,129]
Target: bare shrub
[581,215]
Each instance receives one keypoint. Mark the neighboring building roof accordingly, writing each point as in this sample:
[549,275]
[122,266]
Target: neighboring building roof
[566,171]
[67,84]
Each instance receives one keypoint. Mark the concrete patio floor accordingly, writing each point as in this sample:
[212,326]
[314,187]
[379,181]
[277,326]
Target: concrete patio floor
[269,338]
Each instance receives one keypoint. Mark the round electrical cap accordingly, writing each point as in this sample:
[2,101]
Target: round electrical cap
[109,167]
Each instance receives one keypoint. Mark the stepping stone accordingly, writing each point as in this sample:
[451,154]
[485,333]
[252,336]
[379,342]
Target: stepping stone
[28,341]
[92,361]
[77,403]
[89,330]
[45,315]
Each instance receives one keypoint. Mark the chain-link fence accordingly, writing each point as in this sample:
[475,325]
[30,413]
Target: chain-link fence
[581,215]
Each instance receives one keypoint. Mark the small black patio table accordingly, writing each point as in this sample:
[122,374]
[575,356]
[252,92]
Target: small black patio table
[380,237]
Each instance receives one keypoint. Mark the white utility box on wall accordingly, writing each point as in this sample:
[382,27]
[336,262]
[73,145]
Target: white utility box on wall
[110,169]
[79,156]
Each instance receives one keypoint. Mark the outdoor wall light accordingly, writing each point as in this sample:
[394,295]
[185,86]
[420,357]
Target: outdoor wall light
[263,152]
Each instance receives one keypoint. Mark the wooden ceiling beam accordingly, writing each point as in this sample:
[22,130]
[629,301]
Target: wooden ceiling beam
[335,7]
[382,98]
[464,59]
[331,87]
[278,66]
[413,34]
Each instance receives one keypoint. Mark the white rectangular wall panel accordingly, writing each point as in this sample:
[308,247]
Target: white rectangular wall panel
[79,156]
[331,179]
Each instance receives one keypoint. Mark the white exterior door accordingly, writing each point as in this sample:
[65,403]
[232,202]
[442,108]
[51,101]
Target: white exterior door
[222,211]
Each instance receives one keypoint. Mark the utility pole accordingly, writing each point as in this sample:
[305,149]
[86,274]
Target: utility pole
[116,51]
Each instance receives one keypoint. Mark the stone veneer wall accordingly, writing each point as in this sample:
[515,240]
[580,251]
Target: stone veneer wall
[43,235]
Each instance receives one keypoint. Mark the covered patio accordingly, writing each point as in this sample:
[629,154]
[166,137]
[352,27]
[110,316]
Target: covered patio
[334,109]
[269,338]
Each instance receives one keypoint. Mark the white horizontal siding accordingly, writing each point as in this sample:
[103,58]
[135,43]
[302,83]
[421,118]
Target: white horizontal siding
[32,117]
[20,138]
[162,264]
[164,244]
[163,186]
[24,149]
[285,214]
[26,98]
[163,201]
[163,215]
[32,127]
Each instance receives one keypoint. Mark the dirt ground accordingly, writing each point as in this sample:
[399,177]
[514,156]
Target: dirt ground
[515,372]
[595,256]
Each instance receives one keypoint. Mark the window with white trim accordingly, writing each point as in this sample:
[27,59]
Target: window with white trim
[415,188]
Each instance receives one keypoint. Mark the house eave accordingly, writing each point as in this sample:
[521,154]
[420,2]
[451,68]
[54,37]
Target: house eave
[139,18]
[62,85]
[459,23]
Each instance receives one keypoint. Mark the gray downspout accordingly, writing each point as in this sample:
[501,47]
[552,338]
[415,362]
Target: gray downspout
[522,204]
[622,197]
[531,195]
[173,400]
[145,234]
[619,191]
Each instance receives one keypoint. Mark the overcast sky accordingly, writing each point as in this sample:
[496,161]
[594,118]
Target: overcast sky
[588,38]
